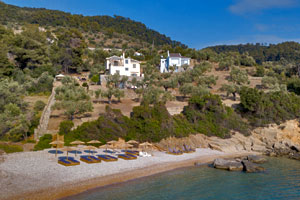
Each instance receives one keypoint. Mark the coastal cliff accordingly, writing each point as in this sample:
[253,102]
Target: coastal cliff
[273,140]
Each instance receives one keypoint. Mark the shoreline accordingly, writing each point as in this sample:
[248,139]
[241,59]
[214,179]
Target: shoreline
[74,188]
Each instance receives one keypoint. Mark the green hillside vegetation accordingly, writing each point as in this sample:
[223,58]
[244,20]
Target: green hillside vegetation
[284,52]
[108,24]
[37,44]
[154,123]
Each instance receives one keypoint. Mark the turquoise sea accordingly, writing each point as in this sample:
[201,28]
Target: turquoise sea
[280,181]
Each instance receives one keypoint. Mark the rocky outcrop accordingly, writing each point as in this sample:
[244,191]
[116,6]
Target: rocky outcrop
[295,156]
[193,141]
[274,140]
[256,159]
[241,164]
[230,165]
[251,167]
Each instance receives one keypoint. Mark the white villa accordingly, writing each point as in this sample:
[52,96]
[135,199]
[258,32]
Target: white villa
[123,66]
[175,60]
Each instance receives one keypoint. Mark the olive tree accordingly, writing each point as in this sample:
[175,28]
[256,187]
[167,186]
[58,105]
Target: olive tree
[237,79]
[72,98]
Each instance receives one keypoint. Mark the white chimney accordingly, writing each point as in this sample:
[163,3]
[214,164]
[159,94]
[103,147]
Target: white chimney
[168,53]
[123,54]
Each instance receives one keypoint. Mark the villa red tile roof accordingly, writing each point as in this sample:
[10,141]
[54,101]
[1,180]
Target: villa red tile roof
[177,55]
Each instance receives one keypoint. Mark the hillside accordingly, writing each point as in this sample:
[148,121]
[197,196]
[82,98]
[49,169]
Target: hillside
[107,24]
[287,51]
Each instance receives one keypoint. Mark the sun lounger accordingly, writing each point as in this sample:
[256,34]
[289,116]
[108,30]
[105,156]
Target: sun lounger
[127,156]
[97,160]
[68,161]
[64,162]
[76,162]
[136,153]
[188,149]
[107,158]
[87,159]
[174,152]
[132,156]
[112,157]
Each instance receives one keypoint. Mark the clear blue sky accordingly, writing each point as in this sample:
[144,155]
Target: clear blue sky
[197,23]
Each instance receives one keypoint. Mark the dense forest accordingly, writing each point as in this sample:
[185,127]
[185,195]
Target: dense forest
[54,18]
[285,52]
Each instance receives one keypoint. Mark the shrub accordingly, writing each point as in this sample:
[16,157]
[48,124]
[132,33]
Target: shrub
[209,116]
[293,85]
[65,127]
[84,84]
[8,148]
[260,71]
[95,78]
[273,107]
[39,105]
[43,142]
[35,121]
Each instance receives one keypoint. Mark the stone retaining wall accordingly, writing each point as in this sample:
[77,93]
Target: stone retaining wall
[44,120]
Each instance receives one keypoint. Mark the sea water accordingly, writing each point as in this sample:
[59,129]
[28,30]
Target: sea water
[281,180]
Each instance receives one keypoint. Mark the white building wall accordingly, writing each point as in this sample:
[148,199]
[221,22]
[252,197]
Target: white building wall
[173,61]
[163,65]
[125,70]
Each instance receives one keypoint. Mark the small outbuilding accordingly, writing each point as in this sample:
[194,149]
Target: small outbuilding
[59,77]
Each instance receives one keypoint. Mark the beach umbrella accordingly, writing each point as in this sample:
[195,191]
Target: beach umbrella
[77,142]
[67,149]
[94,142]
[90,148]
[125,146]
[57,142]
[132,142]
[112,143]
[105,146]
[146,144]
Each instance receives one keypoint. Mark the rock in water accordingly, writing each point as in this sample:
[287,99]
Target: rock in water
[295,148]
[251,167]
[230,165]
[256,159]
[295,156]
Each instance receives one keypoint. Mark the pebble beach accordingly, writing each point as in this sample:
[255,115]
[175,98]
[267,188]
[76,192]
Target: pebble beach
[30,175]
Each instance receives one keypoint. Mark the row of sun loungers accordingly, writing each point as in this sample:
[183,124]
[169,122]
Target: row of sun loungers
[70,161]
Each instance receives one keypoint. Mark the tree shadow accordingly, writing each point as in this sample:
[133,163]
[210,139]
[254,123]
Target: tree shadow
[181,98]
[136,100]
